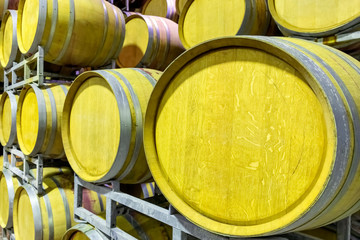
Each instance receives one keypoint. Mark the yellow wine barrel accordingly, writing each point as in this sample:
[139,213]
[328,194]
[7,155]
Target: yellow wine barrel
[8,187]
[7,4]
[38,120]
[161,8]
[102,123]
[48,216]
[150,41]
[271,125]
[202,20]
[8,107]
[180,4]
[315,18]
[71,32]
[9,51]
[135,224]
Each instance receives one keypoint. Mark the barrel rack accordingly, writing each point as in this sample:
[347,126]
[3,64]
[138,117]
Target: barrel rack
[118,202]
[28,71]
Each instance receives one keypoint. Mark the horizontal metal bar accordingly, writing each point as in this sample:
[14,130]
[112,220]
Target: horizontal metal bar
[161,214]
[22,83]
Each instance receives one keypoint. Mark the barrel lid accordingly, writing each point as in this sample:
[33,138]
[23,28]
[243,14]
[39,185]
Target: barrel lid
[27,119]
[239,137]
[156,8]
[8,49]
[136,42]
[8,106]
[314,18]
[4,198]
[207,19]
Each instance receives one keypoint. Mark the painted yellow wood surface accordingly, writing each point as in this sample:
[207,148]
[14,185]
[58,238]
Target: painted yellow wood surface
[161,8]
[91,124]
[314,16]
[153,229]
[9,51]
[135,43]
[28,120]
[180,4]
[241,138]
[150,41]
[6,120]
[24,217]
[7,198]
[85,34]
[202,20]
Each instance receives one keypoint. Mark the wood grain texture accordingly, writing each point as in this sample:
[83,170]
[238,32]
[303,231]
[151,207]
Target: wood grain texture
[7,4]
[321,18]
[135,224]
[8,107]
[150,41]
[9,51]
[58,199]
[243,135]
[202,20]
[102,122]
[77,33]
[38,120]
[161,8]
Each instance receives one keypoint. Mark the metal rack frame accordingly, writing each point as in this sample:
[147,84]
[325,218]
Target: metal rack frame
[117,202]
[4,234]
[28,163]
[21,73]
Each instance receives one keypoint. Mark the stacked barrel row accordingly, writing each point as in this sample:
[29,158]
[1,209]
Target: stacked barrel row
[245,136]
[32,118]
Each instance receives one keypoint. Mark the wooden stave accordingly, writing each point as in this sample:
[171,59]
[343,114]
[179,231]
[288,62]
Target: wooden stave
[63,56]
[14,53]
[159,54]
[123,166]
[47,138]
[255,11]
[13,134]
[149,127]
[289,30]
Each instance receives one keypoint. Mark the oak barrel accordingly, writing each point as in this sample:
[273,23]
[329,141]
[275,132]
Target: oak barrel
[137,225]
[8,107]
[8,186]
[150,41]
[102,123]
[202,20]
[7,4]
[71,32]
[38,120]
[315,18]
[161,8]
[271,125]
[9,51]
[50,215]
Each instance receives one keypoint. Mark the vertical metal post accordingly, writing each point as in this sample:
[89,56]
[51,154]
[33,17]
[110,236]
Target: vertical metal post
[127,5]
[343,229]
[78,194]
[40,66]
[178,234]
[110,216]
[25,169]
[39,174]
[5,159]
